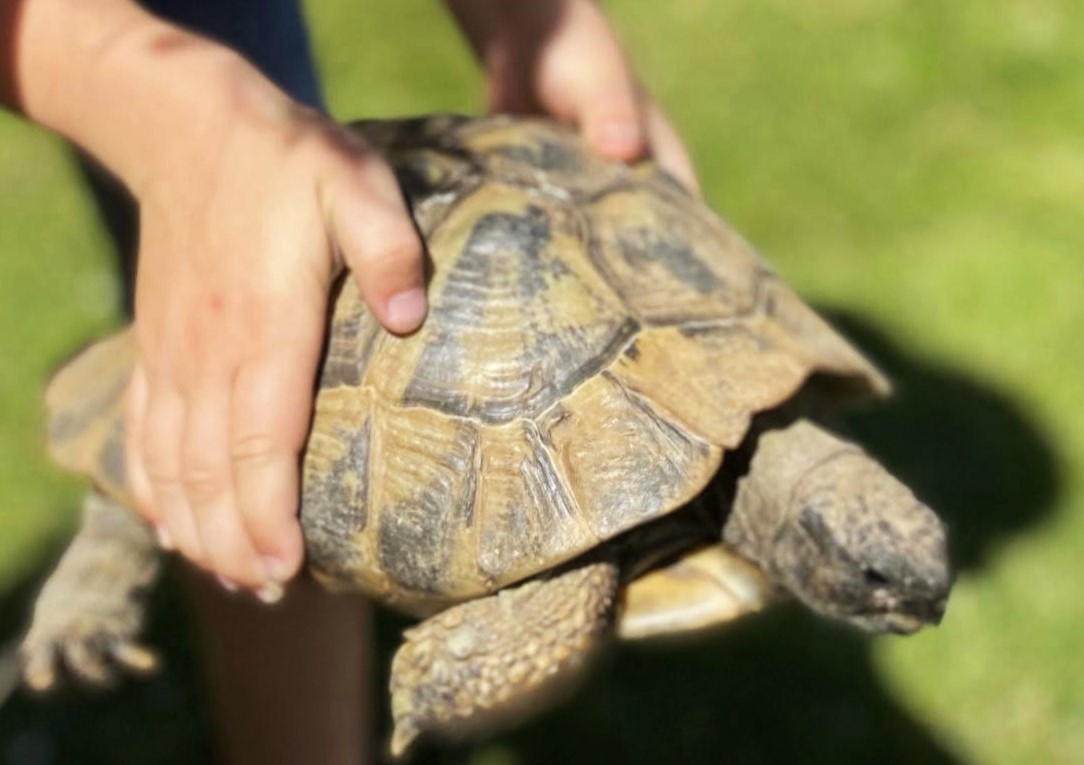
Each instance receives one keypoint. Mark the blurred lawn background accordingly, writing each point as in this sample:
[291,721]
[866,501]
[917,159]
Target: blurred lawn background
[914,168]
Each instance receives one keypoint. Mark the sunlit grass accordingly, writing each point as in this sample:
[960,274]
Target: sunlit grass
[919,165]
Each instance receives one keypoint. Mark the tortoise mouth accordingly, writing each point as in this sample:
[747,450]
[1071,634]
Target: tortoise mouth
[903,618]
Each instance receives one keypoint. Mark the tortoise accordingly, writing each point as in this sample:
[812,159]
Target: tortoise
[605,427]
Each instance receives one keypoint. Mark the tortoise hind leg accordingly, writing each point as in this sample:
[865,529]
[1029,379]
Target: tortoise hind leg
[91,608]
[492,661]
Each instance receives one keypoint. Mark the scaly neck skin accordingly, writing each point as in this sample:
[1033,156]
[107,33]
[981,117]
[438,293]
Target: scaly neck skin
[762,505]
[120,83]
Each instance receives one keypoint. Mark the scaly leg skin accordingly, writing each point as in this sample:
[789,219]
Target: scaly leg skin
[489,662]
[91,608]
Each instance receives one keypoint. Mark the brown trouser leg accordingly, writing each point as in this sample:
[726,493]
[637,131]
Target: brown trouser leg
[291,683]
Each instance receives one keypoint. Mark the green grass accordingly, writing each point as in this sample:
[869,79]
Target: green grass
[917,169]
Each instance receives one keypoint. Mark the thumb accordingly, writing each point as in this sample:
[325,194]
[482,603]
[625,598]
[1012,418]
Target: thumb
[378,242]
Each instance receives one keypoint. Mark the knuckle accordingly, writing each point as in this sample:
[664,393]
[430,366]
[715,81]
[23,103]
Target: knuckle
[398,246]
[343,151]
[391,250]
[255,448]
[204,482]
[162,475]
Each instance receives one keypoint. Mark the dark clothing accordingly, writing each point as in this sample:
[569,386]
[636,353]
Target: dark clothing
[269,33]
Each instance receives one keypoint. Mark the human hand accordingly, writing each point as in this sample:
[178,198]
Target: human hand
[245,222]
[562,58]
[249,207]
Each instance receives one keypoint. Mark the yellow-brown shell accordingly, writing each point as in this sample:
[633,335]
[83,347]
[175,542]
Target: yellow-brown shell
[597,339]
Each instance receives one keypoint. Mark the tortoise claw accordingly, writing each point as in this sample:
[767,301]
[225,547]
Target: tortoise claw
[90,611]
[88,662]
[136,658]
[39,668]
[94,659]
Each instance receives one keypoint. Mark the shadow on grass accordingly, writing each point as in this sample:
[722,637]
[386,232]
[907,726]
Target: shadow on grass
[777,688]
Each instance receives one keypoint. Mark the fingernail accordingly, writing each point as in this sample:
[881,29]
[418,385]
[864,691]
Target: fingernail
[406,309]
[270,593]
[620,139]
[227,584]
[165,541]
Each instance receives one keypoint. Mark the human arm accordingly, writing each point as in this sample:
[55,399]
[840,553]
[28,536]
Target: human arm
[250,205]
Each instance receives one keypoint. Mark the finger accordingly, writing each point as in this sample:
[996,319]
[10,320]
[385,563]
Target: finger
[139,486]
[612,128]
[585,76]
[207,474]
[161,450]
[271,409]
[374,231]
[667,149]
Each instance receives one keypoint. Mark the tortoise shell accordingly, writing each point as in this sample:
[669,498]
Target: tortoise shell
[597,340]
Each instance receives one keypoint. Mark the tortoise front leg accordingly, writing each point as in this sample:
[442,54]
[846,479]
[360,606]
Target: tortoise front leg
[492,661]
[91,609]
[699,591]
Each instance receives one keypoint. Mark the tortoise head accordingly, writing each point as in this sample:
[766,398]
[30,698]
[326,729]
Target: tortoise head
[841,533]
[858,546]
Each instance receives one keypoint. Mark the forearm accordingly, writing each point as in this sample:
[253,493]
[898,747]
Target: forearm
[121,83]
